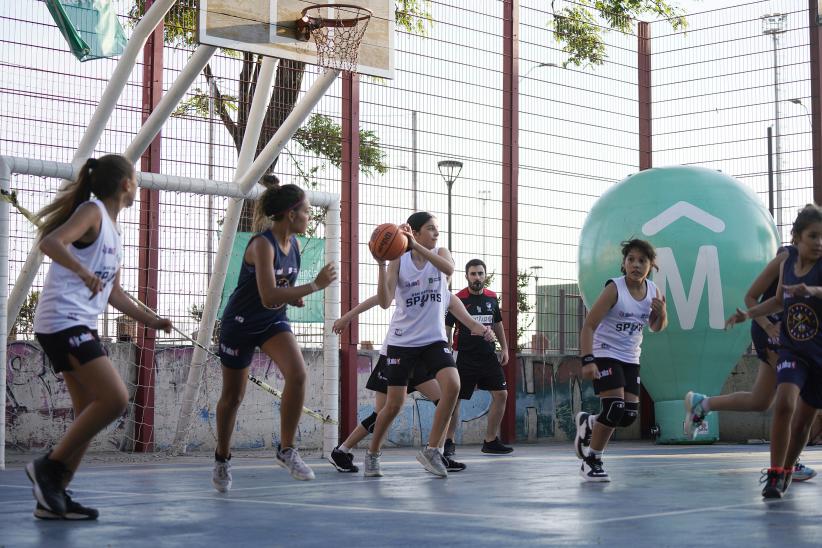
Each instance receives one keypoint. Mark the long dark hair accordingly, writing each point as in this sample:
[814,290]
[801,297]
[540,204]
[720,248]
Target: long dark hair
[100,176]
[417,220]
[275,203]
[643,247]
[808,215]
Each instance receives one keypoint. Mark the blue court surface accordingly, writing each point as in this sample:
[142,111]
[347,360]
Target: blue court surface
[658,496]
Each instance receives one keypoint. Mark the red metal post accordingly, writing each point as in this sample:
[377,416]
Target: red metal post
[510,181]
[349,268]
[643,46]
[644,94]
[149,247]
[816,96]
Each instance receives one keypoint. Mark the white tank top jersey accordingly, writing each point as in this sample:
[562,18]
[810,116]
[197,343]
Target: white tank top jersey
[64,301]
[421,300]
[619,334]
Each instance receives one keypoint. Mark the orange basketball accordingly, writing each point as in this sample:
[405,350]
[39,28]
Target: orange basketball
[387,242]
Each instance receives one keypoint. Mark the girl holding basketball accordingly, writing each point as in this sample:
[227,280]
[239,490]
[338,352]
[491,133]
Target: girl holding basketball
[256,316]
[82,238]
[418,282]
[341,457]
[610,342]
[799,366]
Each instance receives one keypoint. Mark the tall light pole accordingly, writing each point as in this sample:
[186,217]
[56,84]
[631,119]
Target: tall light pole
[799,102]
[773,24]
[450,171]
[484,197]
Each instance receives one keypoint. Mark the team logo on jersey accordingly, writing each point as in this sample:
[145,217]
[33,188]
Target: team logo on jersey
[488,305]
[802,323]
[447,350]
[479,309]
[393,361]
[434,279]
[108,250]
[415,283]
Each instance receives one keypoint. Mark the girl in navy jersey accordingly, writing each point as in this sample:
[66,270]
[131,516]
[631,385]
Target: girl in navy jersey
[255,316]
[417,345]
[610,342]
[799,367]
[765,338]
[82,239]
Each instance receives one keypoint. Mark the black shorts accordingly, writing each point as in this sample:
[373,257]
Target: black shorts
[617,374]
[762,343]
[480,372]
[378,382]
[803,372]
[237,346]
[79,341]
[408,362]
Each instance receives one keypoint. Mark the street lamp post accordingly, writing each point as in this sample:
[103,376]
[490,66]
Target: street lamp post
[450,171]
[773,24]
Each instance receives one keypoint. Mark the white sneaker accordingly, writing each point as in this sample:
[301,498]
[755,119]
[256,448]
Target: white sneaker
[221,478]
[371,466]
[583,436]
[290,459]
[431,459]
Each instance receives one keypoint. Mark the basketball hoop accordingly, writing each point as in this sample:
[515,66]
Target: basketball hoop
[337,36]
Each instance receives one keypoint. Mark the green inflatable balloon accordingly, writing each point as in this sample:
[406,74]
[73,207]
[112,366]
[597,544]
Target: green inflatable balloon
[713,236]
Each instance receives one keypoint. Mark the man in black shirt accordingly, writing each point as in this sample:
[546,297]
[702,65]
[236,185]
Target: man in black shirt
[477,361]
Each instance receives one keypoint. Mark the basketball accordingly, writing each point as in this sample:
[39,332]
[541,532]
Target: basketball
[387,242]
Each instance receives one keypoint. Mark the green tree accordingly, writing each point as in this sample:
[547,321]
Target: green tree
[579,26]
[321,135]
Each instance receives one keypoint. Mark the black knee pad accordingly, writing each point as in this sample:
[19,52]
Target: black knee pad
[630,414]
[612,411]
[369,422]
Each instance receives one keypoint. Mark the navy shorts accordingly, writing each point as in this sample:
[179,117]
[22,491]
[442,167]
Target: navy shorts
[803,372]
[617,374]
[407,362]
[79,341]
[378,382]
[479,372]
[237,346]
[762,343]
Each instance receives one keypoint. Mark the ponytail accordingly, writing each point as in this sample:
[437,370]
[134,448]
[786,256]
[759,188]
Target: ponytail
[275,203]
[102,177]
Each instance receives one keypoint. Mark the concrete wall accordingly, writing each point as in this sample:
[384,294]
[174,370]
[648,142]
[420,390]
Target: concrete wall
[549,393]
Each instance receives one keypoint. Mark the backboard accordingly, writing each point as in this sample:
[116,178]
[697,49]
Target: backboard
[268,27]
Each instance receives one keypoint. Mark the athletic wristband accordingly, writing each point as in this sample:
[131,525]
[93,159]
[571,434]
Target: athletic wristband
[588,358]
[313,286]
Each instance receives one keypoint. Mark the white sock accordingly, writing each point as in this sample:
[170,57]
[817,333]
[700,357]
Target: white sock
[594,453]
[344,449]
[441,450]
[705,405]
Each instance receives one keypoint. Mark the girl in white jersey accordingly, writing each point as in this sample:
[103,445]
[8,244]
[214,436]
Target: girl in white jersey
[83,241]
[417,345]
[610,342]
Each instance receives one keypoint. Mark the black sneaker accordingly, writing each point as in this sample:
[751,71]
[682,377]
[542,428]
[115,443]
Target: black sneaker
[342,461]
[593,470]
[47,477]
[74,511]
[496,447]
[453,466]
[450,448]
[774,484]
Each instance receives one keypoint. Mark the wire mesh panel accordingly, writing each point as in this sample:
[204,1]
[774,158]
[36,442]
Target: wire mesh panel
[718,88]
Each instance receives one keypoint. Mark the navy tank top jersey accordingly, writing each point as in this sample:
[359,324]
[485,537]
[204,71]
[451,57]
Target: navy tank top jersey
[801,315]
[245,309]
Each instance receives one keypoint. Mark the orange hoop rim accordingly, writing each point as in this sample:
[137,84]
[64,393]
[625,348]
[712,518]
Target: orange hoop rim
[320,22]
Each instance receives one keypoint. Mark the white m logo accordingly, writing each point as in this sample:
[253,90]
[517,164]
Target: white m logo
[687,306]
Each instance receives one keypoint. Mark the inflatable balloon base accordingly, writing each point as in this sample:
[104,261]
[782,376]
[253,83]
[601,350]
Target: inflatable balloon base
[670,416]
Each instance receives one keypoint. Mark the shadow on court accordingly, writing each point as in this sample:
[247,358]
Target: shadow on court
[658,496]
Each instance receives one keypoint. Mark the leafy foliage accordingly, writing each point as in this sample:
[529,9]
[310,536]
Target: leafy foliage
[579,28]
